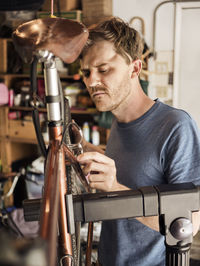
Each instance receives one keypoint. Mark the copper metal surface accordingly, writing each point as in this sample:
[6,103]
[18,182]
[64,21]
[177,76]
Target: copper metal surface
[62,37]
[89,244]
[55,133]
[53,202]
[50,203]
[65,237]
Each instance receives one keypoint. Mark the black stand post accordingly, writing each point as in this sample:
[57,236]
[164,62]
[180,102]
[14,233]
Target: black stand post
[176,255]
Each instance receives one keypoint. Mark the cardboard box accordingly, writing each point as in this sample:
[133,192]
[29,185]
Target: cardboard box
[64,5]
[96,10]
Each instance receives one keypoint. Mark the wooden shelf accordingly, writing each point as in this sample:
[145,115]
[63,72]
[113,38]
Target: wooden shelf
[73,110]
[6,39]
[14,75]
[19,75]
[27,109]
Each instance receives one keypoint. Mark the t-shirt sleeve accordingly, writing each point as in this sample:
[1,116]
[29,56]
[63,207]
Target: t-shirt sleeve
[182,153]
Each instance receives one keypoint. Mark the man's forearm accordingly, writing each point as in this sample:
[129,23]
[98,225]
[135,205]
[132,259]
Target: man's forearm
[151,221]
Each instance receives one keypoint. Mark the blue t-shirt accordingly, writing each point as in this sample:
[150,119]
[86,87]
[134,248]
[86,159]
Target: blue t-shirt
[160,147]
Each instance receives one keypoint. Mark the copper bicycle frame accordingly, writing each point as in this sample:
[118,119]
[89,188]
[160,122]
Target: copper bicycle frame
[53,207]
[53,216]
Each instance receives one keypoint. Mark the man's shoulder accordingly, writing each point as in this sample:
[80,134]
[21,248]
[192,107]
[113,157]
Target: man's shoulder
[171,113]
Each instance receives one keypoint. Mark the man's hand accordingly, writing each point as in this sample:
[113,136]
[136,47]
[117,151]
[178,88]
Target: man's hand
[100,170]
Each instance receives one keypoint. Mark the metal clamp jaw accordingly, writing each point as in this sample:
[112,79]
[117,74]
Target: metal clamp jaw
[176,204]
[176,207]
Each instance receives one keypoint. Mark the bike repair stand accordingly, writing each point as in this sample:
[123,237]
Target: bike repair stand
[173,203]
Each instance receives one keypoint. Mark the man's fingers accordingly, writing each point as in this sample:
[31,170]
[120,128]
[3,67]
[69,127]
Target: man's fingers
[94,167]
[96,178]
[93,156]
[99,169]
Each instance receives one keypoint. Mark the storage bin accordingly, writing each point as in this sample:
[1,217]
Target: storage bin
[96,10]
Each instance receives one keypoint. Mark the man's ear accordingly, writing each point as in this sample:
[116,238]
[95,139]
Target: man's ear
[136,67]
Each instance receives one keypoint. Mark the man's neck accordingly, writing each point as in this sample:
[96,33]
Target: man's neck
[138,104]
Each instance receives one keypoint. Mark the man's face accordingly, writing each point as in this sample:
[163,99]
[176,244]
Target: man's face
[106,75]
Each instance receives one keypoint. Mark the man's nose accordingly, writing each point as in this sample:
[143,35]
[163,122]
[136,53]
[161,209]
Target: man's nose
[93,80]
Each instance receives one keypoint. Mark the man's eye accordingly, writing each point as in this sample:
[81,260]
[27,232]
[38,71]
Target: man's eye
[103,70]
[86,74]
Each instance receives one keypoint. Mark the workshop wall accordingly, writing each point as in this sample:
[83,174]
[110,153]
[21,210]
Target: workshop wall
[145,9]
[168,78]
[159,70]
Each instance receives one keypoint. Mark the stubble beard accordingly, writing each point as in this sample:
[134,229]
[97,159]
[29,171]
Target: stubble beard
[113,99]
[115,103]
[108,104]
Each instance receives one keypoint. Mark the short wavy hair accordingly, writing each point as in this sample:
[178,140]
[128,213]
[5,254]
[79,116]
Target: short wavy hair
[126,40]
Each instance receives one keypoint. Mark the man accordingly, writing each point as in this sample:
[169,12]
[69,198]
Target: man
[150,143]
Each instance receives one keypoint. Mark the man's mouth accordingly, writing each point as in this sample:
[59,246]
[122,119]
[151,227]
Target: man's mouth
[98,94]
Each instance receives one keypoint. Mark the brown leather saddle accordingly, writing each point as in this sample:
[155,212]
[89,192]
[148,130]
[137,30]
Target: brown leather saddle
[63,37]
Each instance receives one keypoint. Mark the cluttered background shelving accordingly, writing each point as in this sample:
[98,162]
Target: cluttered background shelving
[17,132]
[21,162]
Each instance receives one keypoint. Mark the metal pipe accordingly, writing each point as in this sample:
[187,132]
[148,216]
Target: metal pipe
[65,237]
[50,203]
[154,24]
[154,18]
[52,90]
